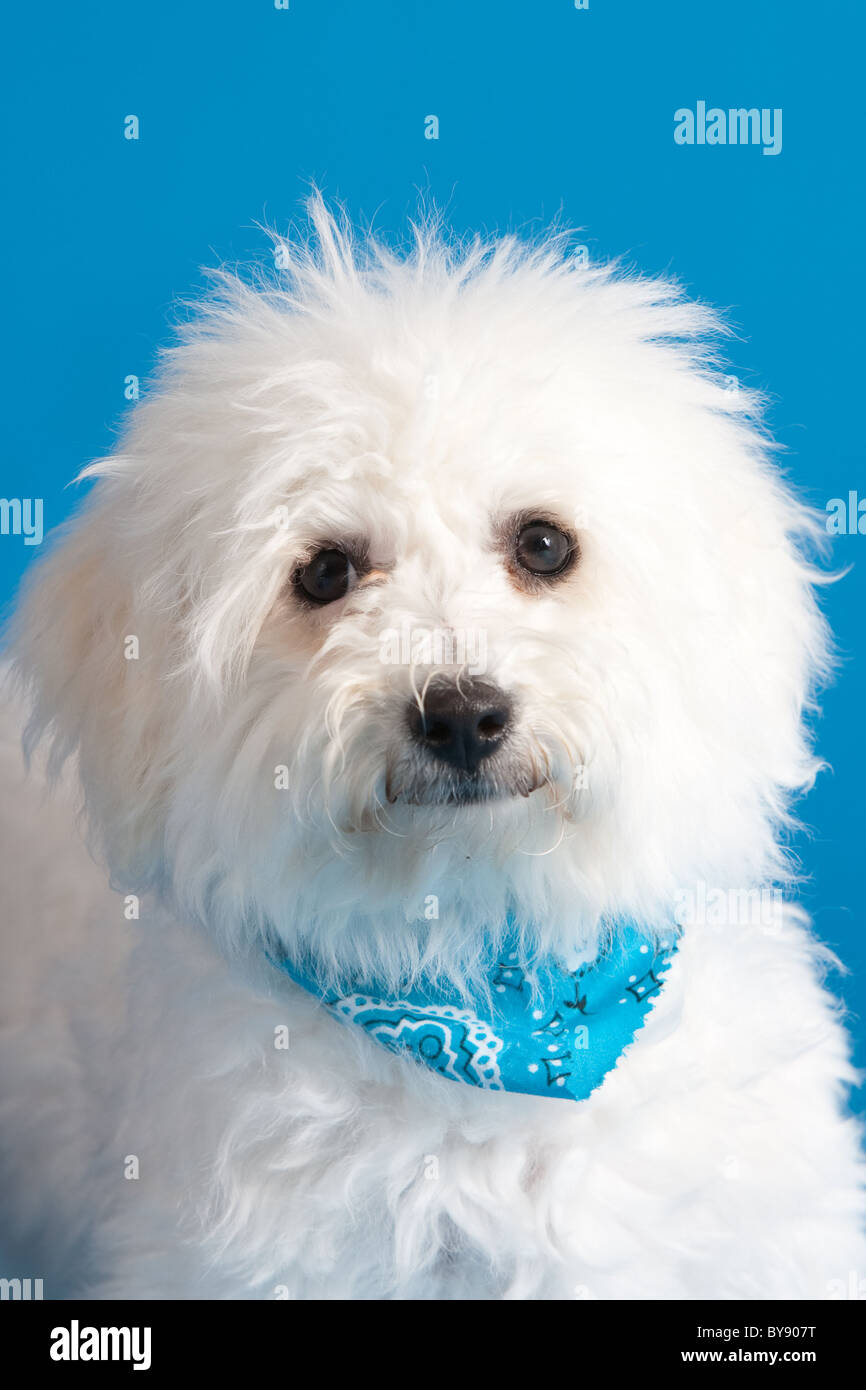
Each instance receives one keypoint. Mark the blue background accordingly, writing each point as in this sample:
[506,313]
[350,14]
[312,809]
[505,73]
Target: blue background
[543,109]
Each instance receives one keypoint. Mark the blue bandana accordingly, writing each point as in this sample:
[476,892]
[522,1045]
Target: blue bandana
[556,1032]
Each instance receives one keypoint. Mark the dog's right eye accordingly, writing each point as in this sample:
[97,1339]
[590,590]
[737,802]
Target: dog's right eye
[328,576]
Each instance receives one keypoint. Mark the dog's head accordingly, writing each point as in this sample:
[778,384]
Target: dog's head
[426,587]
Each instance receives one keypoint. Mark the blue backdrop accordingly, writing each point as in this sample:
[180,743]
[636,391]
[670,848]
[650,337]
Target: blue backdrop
[543,107]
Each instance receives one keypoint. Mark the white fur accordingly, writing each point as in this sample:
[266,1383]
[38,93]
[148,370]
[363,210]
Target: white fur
[415,401]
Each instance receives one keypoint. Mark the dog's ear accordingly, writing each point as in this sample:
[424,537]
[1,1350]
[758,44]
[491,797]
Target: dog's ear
[92,672]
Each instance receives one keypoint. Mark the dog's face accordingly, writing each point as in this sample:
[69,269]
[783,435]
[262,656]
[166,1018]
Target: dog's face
[422,592]
[407,626]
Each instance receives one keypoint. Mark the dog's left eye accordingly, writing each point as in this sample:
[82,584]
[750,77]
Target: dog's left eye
[328,576]
[543,549]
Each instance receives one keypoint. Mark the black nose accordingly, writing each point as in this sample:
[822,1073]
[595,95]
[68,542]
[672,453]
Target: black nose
[461,724]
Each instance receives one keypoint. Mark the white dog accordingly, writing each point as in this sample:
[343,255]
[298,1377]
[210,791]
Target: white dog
[439,615]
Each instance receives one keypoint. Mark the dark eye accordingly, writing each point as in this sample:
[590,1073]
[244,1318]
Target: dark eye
[543,549]
[327,577]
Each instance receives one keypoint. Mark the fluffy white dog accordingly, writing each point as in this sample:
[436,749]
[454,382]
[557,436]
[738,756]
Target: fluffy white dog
[435,609]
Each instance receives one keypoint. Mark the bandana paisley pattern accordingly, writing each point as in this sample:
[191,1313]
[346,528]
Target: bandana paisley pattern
[555,1032]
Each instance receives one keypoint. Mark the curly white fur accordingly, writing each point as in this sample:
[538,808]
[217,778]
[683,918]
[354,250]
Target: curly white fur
[412,403]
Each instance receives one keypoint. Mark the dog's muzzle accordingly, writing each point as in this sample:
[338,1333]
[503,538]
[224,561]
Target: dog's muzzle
[461,723]
[460,747]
